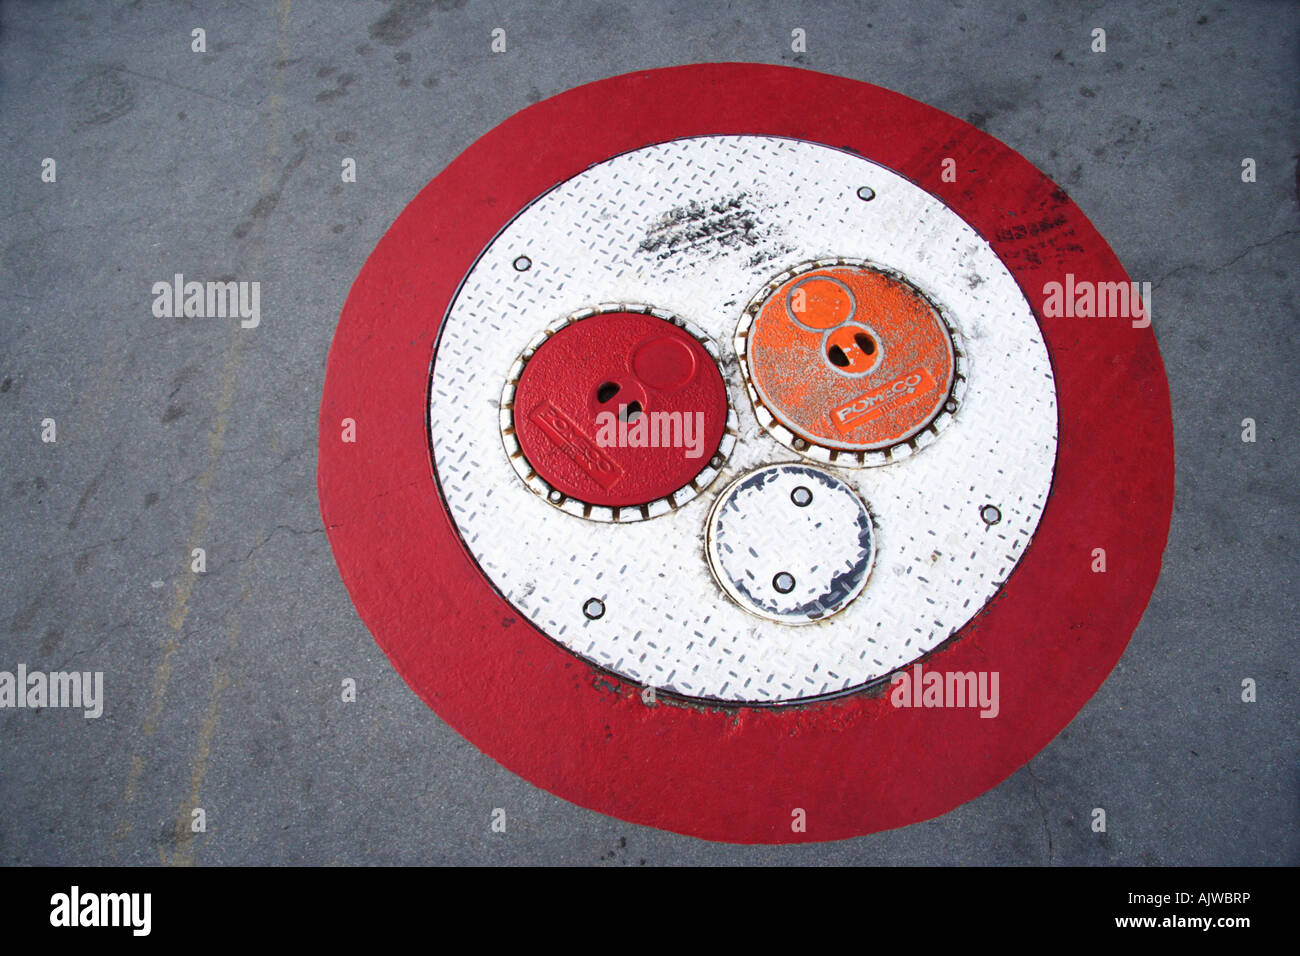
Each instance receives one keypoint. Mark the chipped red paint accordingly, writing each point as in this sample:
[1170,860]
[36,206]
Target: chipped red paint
[856,764]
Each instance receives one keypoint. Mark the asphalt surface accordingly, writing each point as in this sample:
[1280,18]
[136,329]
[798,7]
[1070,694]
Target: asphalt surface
[222,689]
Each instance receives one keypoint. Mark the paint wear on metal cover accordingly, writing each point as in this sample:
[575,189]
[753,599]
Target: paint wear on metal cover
[850,357]
[790,543]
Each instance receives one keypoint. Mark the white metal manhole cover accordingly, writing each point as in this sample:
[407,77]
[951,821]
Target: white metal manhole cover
[701,228]
[790,543]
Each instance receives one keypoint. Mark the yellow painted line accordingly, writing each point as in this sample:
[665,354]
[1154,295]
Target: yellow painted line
[186,843]
[198,527]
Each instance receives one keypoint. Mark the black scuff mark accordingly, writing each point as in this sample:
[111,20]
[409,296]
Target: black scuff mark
[711,230]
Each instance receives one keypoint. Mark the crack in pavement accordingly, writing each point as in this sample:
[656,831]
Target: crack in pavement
[281,527]
[1233,261]
[1042,810]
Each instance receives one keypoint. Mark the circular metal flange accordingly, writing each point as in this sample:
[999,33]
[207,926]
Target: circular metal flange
[555,446]
[790,543]
[850,378]
[664,225]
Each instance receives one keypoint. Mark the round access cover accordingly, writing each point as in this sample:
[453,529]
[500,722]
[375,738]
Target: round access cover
[617,413]
[790,543]
[842,359]
[538,632]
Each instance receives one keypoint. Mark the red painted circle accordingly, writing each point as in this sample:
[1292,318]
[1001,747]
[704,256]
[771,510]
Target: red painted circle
[601,409]
[666,363]
[852,765]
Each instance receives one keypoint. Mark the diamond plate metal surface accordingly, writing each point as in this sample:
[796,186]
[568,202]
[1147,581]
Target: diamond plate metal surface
[698,227]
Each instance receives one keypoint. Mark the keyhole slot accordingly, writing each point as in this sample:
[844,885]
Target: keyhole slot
[630,412]
[852,349]
[606,391]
